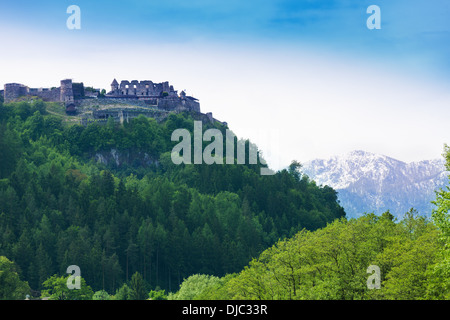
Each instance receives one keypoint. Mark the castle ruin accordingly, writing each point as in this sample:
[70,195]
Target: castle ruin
[158,95]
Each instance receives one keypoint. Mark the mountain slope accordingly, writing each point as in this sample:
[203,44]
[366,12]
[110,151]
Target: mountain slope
[368,182]
[109,199]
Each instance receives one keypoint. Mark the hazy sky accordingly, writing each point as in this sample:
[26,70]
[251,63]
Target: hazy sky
[303,79]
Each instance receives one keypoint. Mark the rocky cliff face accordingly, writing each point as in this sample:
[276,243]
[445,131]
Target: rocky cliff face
[368,182]
[117,159]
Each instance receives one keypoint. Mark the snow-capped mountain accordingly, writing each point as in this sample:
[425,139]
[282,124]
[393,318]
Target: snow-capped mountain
[368,182]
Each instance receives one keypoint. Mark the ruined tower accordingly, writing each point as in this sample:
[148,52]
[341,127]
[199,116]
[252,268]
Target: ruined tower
[66,92]
[67,97]
[13,91]
[114,86]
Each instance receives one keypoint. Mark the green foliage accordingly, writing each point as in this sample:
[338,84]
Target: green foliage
[407,259]
[56,289]
[11,148]
[11,286]
[157,295]
[137,290]
[148,223]
[332,262]
[217,289]
[123,293]
[58,207]
[441,214]
[101,295]
[440,272]
[195,286]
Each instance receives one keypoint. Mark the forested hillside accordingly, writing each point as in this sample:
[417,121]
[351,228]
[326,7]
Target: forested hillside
[155,224]
[410,257]
[333,264]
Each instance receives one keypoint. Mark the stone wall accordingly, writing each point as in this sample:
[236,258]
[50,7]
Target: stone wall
[108,102]
[13,91]
[170,104]
[45,94]
[140,88]
[192,105]
[124,115]
[167,103]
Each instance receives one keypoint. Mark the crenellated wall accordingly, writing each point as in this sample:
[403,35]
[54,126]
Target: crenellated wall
[139,88]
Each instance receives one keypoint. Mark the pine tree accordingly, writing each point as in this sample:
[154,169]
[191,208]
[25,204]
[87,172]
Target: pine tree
[137,287]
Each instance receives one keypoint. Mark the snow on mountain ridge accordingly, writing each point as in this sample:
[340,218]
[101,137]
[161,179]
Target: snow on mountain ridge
[370,182]
[342,170]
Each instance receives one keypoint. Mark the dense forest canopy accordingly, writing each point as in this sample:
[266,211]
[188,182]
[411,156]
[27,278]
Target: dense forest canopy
[133,225]
[409,258]
[336,263]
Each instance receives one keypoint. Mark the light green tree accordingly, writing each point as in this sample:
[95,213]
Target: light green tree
[332,262]
[439,284]
[101,295]
[11,287]
[123,293]
[194,286]
[57,289]
[407,258]
[157,294]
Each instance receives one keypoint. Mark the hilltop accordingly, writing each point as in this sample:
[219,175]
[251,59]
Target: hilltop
[122,103]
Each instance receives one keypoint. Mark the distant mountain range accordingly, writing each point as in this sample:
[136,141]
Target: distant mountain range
[368,182]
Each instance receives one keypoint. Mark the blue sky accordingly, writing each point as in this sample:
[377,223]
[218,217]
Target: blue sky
[262,66]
